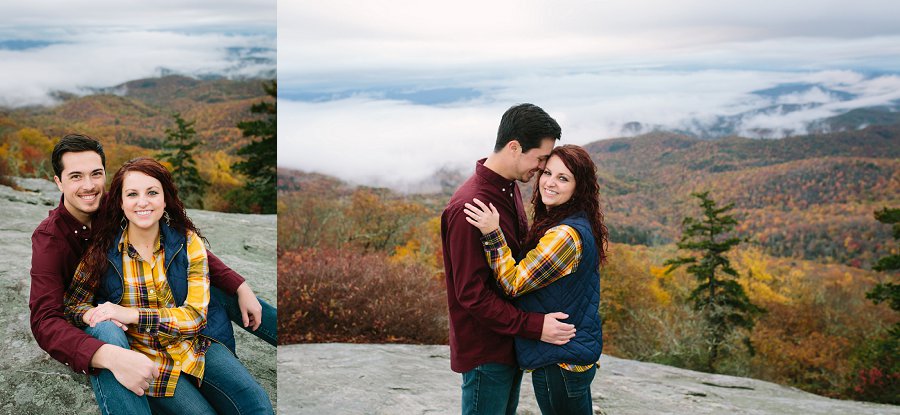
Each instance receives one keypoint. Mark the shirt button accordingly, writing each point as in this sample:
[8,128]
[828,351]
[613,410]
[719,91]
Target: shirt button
[83,227]
[76,231]
[67,363]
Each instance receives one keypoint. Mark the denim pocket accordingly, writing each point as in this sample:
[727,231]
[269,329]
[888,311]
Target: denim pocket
[490,388]
[578,383]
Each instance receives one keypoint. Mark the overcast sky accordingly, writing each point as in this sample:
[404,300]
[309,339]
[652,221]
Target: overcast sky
[388,91]
[71,45]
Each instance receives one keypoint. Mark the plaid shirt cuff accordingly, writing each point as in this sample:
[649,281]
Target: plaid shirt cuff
[76,315]
[494,240]
[148,321]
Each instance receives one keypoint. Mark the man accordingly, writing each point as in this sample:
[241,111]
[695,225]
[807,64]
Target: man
[119,375]
[482,322]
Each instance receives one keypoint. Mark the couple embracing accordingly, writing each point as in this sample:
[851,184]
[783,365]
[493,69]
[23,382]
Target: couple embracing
[124,289]
[519,297]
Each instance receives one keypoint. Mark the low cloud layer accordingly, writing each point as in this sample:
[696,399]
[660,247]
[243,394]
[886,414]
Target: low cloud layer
[78,45]
[370,140]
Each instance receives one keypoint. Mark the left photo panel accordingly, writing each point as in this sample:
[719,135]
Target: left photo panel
[137,191]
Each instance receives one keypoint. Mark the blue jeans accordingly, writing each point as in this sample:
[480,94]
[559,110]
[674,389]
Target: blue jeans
[227,388]
[112,397]
[491,389]
[559,391]
[267,331]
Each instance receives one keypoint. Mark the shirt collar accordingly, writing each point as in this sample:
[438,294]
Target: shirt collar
[492,177]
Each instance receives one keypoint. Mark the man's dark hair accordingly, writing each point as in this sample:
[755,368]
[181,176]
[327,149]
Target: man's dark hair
[75,143]
[528,124]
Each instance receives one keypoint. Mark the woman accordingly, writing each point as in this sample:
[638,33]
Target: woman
[147,269]
[560,272]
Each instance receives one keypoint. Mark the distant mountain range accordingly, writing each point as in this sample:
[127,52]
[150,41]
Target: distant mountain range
[801,105]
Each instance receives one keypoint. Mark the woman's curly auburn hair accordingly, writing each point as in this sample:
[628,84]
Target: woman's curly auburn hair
[109,218]
[586,198]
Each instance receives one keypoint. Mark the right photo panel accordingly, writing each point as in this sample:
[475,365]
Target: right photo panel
[588,207]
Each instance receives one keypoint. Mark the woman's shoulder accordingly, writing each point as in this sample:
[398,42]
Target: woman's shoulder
[562,229]
[191,238]
[563,232]
[196,246]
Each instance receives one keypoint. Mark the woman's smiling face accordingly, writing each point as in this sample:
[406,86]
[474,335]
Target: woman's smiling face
[142,200]
[557,184]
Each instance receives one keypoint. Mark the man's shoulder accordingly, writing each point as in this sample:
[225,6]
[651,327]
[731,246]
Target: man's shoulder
[46,236]
[474,187]
[50,226]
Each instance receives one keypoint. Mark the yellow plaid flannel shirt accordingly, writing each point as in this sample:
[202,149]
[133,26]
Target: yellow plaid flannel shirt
[556,255]
[166,333]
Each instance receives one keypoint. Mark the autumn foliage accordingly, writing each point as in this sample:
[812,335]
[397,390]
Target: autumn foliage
[808,197]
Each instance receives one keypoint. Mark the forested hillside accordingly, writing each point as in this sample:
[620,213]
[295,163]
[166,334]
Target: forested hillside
[131,120]
[809,197]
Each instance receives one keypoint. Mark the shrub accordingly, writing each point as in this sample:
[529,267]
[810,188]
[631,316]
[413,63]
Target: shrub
[5,178]
[331,295]
[878,374]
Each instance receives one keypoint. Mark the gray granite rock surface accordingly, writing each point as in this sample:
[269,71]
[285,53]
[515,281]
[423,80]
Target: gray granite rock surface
[411,379]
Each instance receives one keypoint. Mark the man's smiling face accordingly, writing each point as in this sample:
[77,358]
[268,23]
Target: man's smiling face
[82,182]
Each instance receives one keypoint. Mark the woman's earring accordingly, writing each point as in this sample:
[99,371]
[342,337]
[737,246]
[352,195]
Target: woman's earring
[123,224]
[167,218]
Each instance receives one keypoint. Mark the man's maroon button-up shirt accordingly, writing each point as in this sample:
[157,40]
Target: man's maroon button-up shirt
[482,321]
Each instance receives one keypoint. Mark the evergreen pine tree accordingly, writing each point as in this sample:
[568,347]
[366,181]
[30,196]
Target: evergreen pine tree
[259,193]
[878,378]
[888,291]
[178,149]
[718,296]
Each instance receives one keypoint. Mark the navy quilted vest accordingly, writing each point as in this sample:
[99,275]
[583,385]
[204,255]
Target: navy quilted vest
[218,326]
[576,294]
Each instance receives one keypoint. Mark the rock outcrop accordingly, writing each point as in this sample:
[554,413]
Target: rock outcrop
[408,379]
[34,383]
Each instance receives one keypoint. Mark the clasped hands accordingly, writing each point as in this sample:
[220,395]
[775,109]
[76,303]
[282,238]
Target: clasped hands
[120,316]
[251,311]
